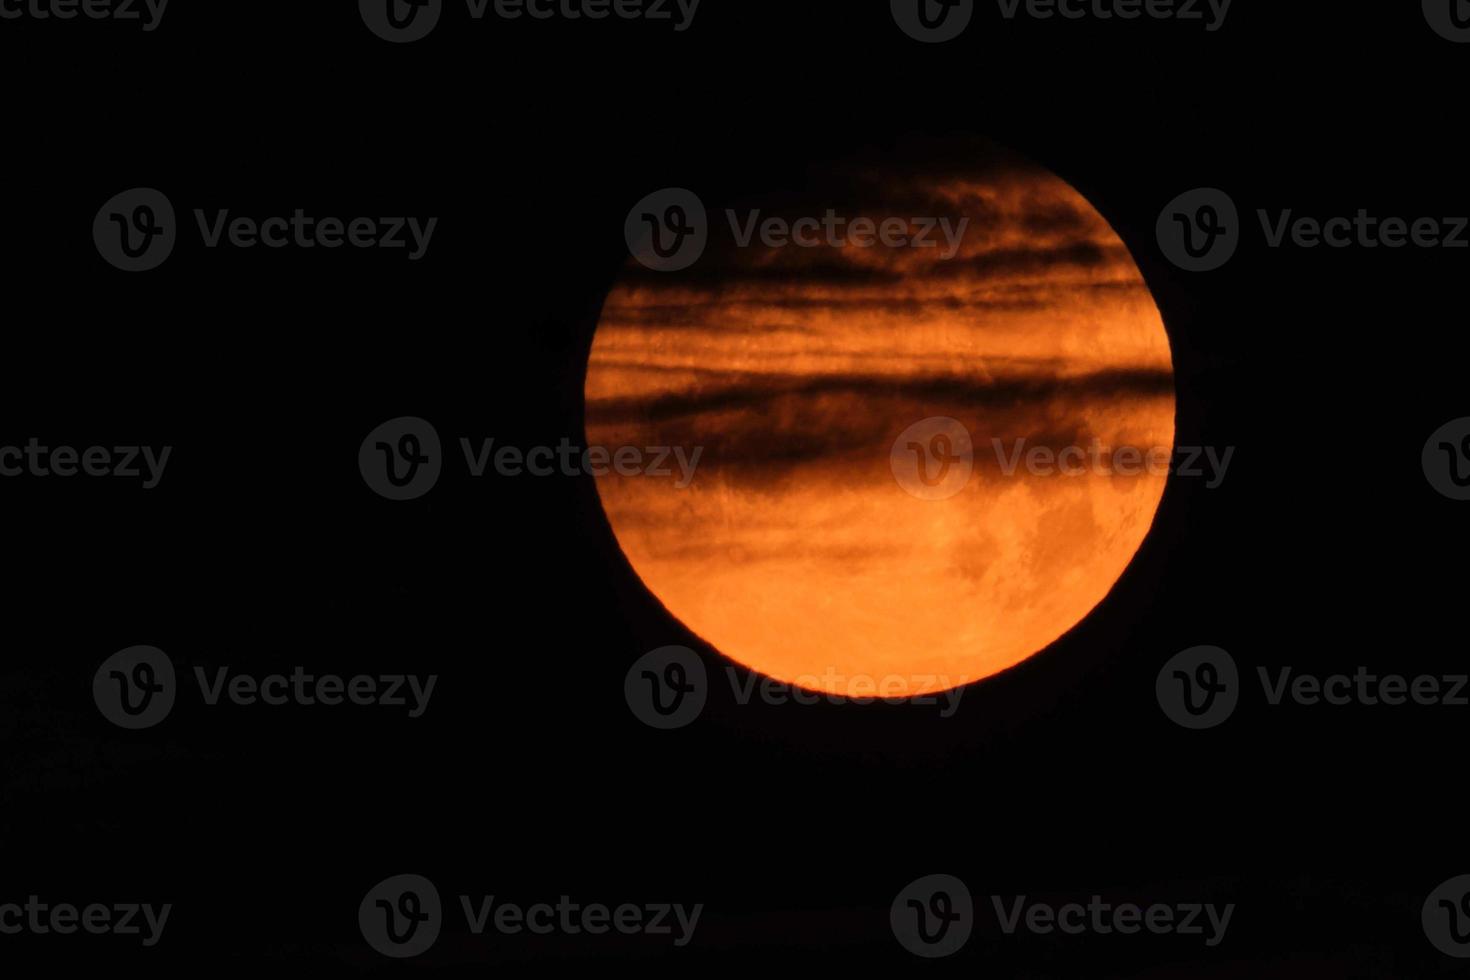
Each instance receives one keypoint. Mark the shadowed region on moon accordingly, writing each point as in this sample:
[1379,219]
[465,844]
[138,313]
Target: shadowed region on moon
[800,548]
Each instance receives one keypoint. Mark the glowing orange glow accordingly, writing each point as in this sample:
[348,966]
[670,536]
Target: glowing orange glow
[795,550]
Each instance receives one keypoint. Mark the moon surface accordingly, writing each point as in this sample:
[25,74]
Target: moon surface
[918,465]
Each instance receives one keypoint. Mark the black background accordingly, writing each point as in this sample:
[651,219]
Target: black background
[528,778]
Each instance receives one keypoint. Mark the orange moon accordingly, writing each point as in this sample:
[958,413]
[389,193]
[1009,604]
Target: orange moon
[918,465]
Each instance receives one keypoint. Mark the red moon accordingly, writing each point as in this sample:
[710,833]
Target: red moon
[918,465]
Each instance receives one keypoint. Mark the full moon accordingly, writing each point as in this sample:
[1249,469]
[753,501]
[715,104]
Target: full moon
[916,421]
